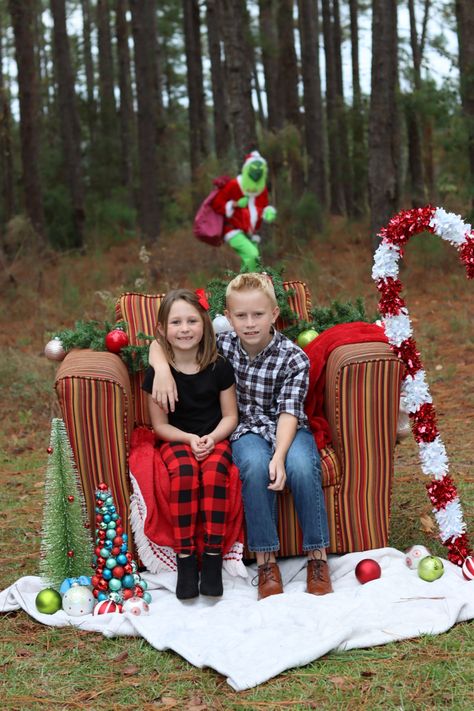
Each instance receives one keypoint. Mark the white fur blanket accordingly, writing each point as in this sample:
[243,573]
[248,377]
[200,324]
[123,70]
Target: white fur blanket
[249,642]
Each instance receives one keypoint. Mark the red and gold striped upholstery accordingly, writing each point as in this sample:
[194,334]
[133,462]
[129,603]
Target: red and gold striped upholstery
[101,403]
[94,394]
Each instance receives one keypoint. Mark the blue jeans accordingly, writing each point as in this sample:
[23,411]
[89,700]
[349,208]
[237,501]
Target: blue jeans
[252,454]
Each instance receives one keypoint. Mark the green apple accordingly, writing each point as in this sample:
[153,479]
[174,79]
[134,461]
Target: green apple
[430,568]
[306,337]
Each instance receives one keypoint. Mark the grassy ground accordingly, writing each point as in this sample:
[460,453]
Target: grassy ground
[43,667]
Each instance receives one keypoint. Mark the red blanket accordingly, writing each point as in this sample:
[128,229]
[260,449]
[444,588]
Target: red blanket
[151,475]
[318,351]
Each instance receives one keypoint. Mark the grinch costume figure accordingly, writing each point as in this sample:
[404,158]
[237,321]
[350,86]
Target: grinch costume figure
[244,203]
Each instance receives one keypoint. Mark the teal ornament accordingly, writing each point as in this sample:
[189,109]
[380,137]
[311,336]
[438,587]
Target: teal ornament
[111,562]
[102,526]
[115,584]
[112,524]
[109,501]
[136,578]
[115,517]
[110,534]
[128,581]
[104,552]
[116,597]
[143,584]
[147,597]
[109,544]
[134,566]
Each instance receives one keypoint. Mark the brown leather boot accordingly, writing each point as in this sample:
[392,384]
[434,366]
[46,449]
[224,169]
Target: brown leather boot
[318,581]
[269,580]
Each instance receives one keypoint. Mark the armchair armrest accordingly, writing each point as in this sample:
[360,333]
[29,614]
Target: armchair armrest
[362,399]
[95,397]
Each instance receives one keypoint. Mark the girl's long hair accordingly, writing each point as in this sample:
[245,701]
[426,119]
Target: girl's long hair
[207,351]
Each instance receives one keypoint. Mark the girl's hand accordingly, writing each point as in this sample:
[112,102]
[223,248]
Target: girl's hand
[277,474]
[208,444]
[197,449]
[164,392]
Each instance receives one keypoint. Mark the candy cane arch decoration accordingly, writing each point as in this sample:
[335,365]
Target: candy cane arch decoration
[415,391]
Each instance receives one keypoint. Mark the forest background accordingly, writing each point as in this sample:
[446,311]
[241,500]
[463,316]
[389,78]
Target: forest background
[115,115]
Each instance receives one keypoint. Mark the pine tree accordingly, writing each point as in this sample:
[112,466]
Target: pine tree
[66,545]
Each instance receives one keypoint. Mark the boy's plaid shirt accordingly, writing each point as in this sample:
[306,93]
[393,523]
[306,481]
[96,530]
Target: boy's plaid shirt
[275,381]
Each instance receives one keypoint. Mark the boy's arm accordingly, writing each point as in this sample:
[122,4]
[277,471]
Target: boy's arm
[164,393]
[228,422]
[285,434]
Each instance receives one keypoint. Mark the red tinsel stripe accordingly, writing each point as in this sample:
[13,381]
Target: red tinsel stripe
[409,354]
[390,302]
[466,253]
[441,492]
[408,223]
[458,548]
[424,425]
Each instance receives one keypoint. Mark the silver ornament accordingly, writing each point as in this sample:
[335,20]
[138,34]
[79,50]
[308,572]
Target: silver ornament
[221,324]
[78,600]
[54,350]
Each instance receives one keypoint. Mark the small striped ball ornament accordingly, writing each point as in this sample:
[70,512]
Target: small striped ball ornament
[102,608]
[468,568]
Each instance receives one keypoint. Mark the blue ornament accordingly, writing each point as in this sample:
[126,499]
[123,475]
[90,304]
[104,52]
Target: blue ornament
[125,536]
[106,518]
[123,548]
[102,596]
[112,509]
[128,581]
[122,559]
[109,544]
[106,574]
[111,562]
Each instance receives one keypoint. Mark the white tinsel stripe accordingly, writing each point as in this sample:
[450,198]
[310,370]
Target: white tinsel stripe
[415,391]
[397,328]
[450,520]
[450,227]
[434,460]
[386,261]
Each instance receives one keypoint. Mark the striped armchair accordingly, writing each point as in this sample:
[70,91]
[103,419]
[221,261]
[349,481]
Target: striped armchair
[101,403]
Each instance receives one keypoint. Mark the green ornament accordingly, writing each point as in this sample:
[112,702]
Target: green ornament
[48,601]
[430,568]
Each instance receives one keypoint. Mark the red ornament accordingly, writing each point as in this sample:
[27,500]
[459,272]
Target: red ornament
[70,554]
[118,572]
[119,530]
[95,591]
[468,568]
[127,593]
[118,540]
[129,556]
[95,580]
[367,570]
[458,549]
[106,606]
[138,591]
[50,450]
[97,550]
[116,340]
[115,550]
[102,584]
[128,568]
[102,487]
[87,524]
[101,561]
[70,499]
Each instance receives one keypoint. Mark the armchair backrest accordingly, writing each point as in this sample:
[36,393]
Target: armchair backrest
[140,311]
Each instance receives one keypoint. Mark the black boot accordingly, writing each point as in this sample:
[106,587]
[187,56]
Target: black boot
[188,576]
[211,575]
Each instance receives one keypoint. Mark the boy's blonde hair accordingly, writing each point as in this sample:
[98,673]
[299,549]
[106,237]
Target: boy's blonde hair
[252,280]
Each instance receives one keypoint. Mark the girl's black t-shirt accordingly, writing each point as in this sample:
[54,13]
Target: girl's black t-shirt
[198,408]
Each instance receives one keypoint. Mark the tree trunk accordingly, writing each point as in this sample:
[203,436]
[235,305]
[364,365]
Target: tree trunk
[6,155]
[415,145]
[308,16]
[336,191]
[359,147]
[342,129]
[197,107]
[143,27]
[465,25]
[126,98]
[287,66]
[219,94]
[269,47]
[68,118]
[22,14]
[108,143]
[383,117]
[237,52]
[88,66]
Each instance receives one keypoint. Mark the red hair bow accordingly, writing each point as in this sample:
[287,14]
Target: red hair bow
[201,297]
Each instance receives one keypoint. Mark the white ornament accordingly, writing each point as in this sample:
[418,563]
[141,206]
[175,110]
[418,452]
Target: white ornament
[414,555]
[397,328]
[136,606]
[54,350]
[221,324]
[386,261]
[434,459]
[78,600]
[450,520]
[415,392]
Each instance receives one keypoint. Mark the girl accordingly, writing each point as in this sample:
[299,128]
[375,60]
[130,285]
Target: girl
[193,438]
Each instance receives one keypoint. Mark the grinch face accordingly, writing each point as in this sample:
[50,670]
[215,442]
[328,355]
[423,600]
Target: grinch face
[254,177]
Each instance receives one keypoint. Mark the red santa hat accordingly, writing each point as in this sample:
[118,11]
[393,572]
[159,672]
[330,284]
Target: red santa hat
[250,157]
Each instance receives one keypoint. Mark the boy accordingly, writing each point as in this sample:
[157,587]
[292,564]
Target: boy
[272,445]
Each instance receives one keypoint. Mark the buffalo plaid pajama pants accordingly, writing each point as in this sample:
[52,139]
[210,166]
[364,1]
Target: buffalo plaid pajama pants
[197,487]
